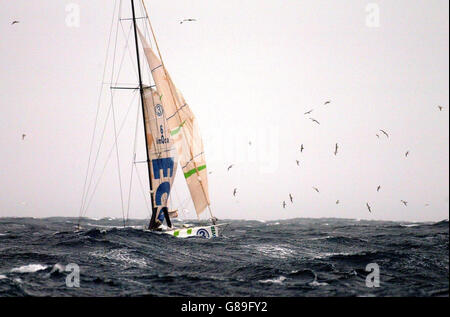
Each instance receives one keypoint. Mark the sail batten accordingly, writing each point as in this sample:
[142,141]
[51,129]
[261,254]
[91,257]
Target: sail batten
[184,131]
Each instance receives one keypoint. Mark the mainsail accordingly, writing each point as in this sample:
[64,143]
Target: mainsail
[183,129]
[161,151]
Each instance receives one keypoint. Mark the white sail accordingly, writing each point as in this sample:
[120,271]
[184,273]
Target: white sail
[161,151]
[184,130]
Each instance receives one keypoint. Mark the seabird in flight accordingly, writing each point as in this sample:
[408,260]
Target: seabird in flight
[187,20]
[385,133]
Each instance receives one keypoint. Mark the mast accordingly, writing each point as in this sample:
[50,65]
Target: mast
[141,91]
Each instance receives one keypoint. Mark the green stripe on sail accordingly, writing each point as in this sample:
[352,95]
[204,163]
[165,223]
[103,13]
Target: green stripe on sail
[175,131]
[193,171]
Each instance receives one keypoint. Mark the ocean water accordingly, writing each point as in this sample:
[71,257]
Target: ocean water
[298,257]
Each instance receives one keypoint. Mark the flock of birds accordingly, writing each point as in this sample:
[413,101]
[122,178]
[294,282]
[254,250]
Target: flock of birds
[336,149]
[302,148]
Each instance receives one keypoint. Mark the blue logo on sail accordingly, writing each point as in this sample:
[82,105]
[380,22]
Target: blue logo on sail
[158,110]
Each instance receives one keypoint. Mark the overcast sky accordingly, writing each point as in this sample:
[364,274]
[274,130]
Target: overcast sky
[249,70]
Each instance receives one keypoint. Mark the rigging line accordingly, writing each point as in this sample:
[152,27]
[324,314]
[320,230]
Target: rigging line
[176,194]
[105,125]
[115,49]
[173,97]
[108,114]
[122,58]
[157,152]
[192,159]
[129,196]
[118,160]
[128,19]
[153,33]
[143,190]
[96,115]
[110,153]
[147,34]
[113,114]
[132,163]
[128,47]
[96,158]
[176,112]
[121,84]
[120,11]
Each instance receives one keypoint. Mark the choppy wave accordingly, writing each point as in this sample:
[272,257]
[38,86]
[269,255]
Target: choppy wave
[278,280]
[299,257]
[30,268]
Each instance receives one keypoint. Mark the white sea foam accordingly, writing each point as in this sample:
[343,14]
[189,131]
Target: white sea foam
[2,277]
[103,226]
[315,283]
[58,267]
[121,255]
[275,251]
[330,254]
[278,280]
[320,238]
[30,268]
[257,220]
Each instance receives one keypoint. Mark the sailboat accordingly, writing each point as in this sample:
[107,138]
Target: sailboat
[172,140]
